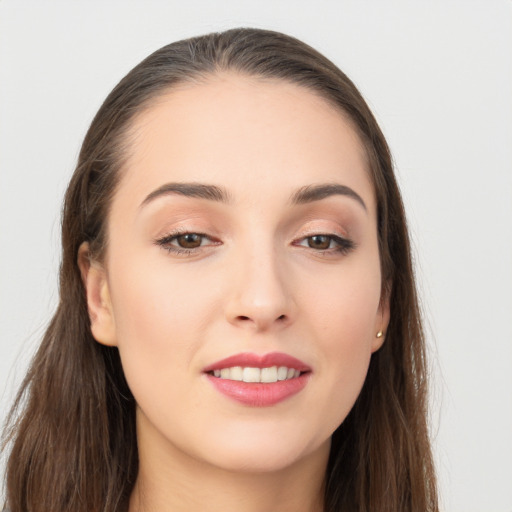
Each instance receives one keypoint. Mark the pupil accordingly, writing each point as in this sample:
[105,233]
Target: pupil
[319,242]
[190,240]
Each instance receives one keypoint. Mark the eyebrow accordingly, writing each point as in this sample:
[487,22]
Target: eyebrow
[197,190]
[311,193]
[303,195]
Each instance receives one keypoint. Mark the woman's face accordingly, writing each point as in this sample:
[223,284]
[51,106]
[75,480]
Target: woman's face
[244,228]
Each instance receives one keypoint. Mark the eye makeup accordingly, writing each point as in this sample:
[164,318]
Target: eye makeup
[328,229]
[183,242]
[327,243]
[186,243]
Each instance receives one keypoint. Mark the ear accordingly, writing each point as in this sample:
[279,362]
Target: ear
[382,319]
[99,304]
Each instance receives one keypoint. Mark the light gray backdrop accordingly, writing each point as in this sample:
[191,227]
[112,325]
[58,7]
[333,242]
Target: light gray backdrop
[438,76]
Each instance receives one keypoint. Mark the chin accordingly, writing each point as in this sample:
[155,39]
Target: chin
[263,453]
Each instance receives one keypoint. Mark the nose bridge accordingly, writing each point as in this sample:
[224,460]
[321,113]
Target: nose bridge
[260,297]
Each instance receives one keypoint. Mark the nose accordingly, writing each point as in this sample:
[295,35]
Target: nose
[259,299]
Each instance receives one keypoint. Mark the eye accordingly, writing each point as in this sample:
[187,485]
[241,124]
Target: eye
[326,243]
[184,243]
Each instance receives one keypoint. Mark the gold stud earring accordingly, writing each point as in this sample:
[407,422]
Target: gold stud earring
[380,334]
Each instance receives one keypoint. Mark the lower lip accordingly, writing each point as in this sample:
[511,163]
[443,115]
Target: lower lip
[257,394]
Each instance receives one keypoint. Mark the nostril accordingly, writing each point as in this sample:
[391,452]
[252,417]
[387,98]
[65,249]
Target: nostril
[245,318]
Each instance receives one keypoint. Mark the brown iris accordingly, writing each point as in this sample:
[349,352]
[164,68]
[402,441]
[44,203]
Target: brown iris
[319,242]
[189,240]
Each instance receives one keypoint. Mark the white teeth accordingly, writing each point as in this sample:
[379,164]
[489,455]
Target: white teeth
[237,373]
[269,374]
[251,375]
[265,375]
[282,373]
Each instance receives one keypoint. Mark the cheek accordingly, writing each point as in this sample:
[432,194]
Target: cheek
[155,305]
[153,326]
[343,317]
[162,317]
[345,308]
[348,339]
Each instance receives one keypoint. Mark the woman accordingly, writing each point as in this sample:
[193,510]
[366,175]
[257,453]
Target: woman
[238,326]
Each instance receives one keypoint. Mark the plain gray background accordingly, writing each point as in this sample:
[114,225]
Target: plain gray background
[438,76]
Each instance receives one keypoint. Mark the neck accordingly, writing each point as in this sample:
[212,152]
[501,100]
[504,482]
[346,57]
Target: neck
[171,481]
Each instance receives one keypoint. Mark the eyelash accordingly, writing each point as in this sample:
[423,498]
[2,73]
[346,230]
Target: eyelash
[343,245]
[165,242]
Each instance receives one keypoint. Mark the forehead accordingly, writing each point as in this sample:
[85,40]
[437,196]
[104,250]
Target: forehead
[254,136]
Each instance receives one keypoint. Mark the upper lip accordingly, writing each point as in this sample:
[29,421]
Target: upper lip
[250,360]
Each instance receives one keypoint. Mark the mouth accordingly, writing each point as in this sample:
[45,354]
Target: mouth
[259,380]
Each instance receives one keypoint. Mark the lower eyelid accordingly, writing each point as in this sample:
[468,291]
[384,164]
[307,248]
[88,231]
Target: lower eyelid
[169,243]
[342,243]
[333,236]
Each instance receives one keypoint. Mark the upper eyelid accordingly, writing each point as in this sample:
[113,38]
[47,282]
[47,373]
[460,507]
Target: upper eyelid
[165,242]
[174,235]
[307,234]
[317,224]
[323,232]
[335,237]
[339,240]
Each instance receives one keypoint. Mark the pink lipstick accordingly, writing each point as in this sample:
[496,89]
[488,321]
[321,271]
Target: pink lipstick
[259,380]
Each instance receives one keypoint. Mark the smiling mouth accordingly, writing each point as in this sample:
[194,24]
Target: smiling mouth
[257,375]
[259,380]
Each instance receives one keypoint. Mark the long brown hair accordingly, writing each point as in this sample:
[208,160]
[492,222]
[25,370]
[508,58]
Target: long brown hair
[71,431]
